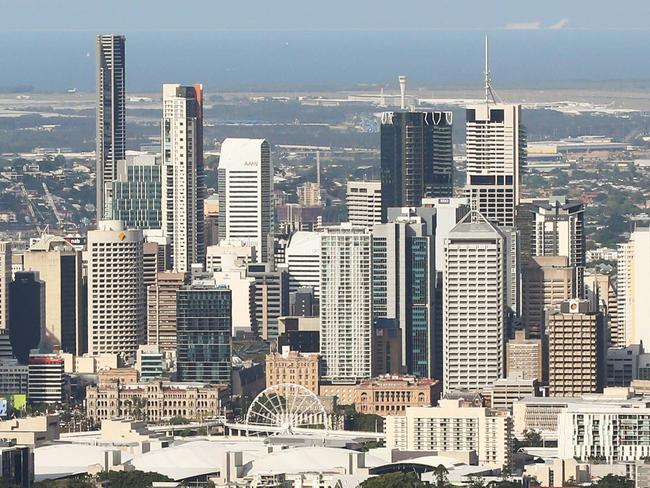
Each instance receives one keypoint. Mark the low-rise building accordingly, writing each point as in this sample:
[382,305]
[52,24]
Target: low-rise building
[16,464]
[453,427]
[391,395]
[154,401]
[13,377]
[31,431]
[623,364]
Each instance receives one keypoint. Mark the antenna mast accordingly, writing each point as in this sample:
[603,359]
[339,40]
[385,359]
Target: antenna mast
[489,94]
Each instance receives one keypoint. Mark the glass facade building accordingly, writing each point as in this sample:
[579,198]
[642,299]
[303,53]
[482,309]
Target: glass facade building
[203,328]
[137,194]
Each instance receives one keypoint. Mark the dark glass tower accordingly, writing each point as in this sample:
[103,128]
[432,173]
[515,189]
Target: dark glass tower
[416,158]
[110,118]
[203,330]
[137,193]
[26,314]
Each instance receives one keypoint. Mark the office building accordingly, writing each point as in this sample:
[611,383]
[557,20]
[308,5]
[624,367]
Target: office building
[161,311]
[13,377]
[403,287]
[387,348]
[203,325]
[137,192]
[363,199]
[301,334]
[59,267]
[303,258]
[496,155]
[623,363]
[5,280]
[416,158]
[26,314]
[110,118]
[576,339]
[183,178]
[149,363]
[474,295]
[555,227]
[524,355]
[292,217]
[211,215]
[116,294]
[245,180]
[302,303]
[271,298]
[547,281]
[452,426]
[159,400]
[600,290]
[293,367]
[45,378]
[242,289]
[506,391]
[346,304]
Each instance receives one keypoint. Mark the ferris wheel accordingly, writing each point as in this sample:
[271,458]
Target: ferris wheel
[284,409]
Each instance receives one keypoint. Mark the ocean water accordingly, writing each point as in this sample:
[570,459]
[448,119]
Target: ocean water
[300,59]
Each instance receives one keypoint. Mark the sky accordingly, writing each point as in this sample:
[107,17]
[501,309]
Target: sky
[158,15]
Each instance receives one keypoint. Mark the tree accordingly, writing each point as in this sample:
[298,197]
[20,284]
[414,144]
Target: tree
[131,479]
[440,474]
[614,481]
[395,480]
[476,481]
[533,438]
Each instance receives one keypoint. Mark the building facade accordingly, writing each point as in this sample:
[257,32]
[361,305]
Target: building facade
[5,280]
[416,158]
[116,294]
[496,155]
[137,192]
[26,314]
[183,185]
[474,296]
[245,180]
[45,378]
[576,339]
[524,355]
[161,311]
[271,298]
[453,427]
[293,367]
[363,200]
[59,266]
[346,304]
[110,117]
[303,258]
[203,333]
[154,401]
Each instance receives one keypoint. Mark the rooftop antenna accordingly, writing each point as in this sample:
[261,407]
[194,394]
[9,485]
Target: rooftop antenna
[402,90]
[489,93]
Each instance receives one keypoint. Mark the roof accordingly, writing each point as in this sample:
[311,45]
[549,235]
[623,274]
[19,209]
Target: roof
[196,458]
[304,243]
[62,460]
[308,460]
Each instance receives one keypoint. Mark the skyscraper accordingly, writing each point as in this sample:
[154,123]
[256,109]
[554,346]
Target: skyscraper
[577,350]
[633,282]
[245,180]
[303,258]
[59,267]
[203,325]
[271,297]
[403,284]
[554,227]
[161,311]
[26,314]
[110,118]
[5,279]
[346,304]
[116,294]
[496,155]
[474,304]
[137,192]
[416,158]
[363,200]
[183,178]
